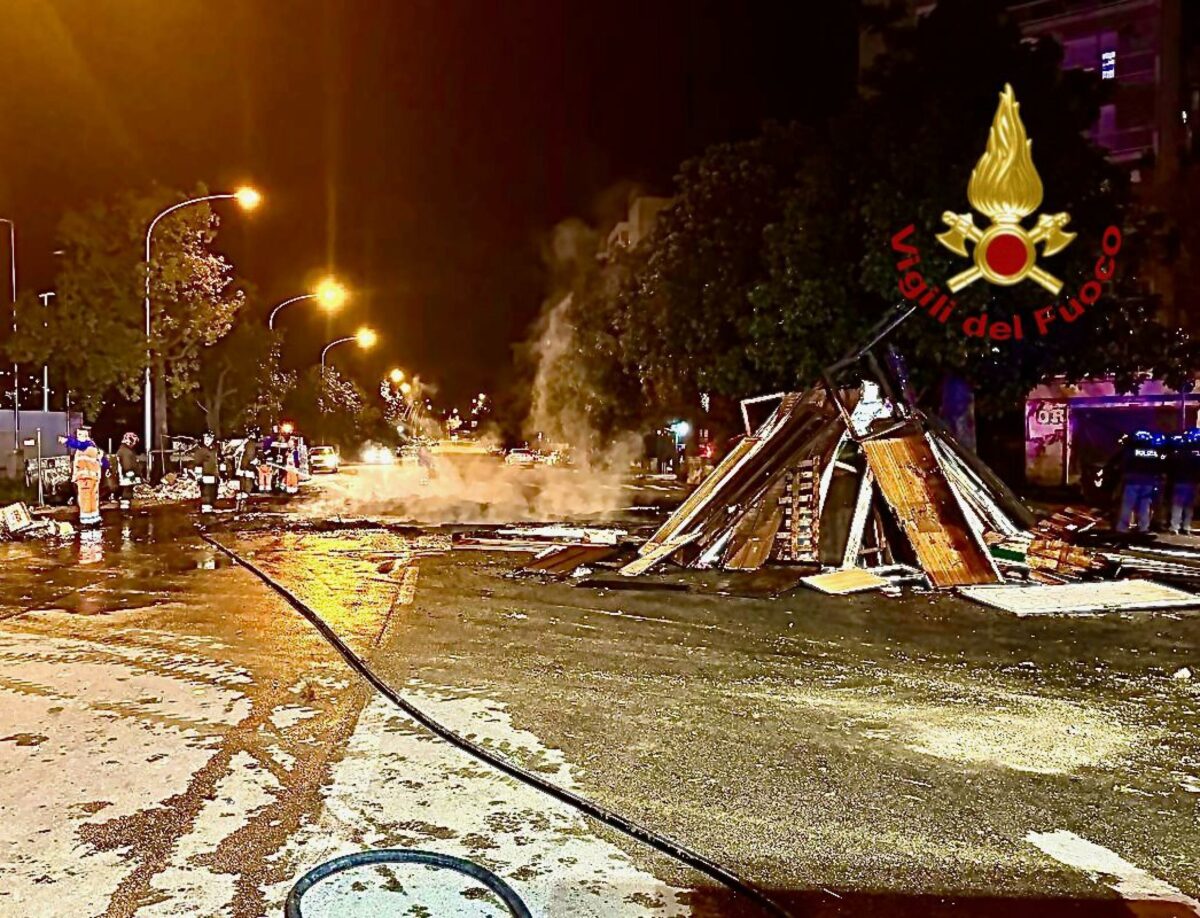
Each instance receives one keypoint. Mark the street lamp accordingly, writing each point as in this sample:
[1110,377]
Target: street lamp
[396,376]
[365,338]
[248,199]
[329,294]
[12,260]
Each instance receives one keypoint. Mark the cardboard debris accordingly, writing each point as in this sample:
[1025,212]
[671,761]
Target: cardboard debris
[16,522]
[14,518]
[854,580]
[1081,598]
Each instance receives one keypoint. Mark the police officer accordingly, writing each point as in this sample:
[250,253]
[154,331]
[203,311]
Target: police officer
[1143,463]
[206,462]
[1184,467]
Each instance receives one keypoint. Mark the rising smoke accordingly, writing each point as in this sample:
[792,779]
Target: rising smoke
[480,489]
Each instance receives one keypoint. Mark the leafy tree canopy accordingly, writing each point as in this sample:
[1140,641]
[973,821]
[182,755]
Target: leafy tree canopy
[94,332]
[774,258]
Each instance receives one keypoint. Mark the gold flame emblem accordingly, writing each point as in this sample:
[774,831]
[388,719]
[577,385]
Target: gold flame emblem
[1005,186]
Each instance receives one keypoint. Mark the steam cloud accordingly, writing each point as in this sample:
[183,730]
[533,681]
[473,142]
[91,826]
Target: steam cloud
[479,489]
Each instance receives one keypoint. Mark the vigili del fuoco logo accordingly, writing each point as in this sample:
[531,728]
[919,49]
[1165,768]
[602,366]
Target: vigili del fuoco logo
[1005,188]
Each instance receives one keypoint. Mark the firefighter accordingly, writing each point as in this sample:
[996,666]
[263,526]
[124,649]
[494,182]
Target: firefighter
[1143,464]
[86,472]
[266,472]
[76,444]
[1184,466]
[291,467]
[248,466]
[81,440]
[206,466]
[127,469]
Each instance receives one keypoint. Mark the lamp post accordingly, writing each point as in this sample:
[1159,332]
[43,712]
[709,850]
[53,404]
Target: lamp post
[329,294]
[45,298]
[12,261]
[248,198]
[364,336]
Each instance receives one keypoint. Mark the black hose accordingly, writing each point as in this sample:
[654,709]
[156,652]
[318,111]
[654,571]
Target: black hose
[507,894]
[615,820]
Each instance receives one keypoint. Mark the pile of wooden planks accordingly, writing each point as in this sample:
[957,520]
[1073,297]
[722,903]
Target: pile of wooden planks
[840,482]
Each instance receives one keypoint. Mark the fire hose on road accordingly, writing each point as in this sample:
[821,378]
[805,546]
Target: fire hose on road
[634,830]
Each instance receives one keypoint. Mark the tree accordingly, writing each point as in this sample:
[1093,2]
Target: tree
[95,331]
[774,258]
[331,408]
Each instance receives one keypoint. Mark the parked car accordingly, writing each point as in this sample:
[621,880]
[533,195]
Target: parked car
[323,460]
[525,458]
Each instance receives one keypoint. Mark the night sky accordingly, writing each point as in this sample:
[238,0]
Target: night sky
[419,150]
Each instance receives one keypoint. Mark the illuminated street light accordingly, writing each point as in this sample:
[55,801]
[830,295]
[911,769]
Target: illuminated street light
[248,199]
[396,376]
[329,294]
[365,338]
[405,388]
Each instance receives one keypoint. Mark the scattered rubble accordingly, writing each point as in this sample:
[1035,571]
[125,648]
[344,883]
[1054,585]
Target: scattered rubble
[17,523]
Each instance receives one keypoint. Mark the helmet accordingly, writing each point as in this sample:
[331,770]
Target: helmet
[208,438]
[1143,436]
[130,439]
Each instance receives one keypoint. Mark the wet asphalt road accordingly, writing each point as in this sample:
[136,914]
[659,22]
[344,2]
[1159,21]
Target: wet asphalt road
[857,755]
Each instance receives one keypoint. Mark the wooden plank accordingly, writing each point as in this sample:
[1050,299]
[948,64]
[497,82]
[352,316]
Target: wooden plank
[858,523]
[754,535]
[660,553]
[704,493]
[1077,598]
[852,580]
[561,561]
[914,487]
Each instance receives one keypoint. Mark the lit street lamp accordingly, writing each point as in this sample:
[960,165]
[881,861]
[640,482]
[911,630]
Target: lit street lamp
[247,199]
[329,294]
[396,376]
[12,259]
[364,336]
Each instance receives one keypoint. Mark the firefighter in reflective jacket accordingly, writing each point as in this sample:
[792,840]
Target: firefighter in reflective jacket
[86,472]
[206,466]
[1143,462]
[248,464]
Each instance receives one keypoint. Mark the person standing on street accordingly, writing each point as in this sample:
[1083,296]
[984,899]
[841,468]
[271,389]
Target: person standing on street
[248,465]
[86,473]
[1184,467]
[291,467]
[206,465]
[75,445]
[128,469]
[1143,462]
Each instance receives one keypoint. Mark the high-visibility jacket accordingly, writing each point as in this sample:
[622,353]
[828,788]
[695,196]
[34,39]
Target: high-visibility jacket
[86,465]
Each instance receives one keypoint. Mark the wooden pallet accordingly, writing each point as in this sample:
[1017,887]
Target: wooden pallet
[799,534]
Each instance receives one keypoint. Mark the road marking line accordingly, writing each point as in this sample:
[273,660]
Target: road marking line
[1128,880]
